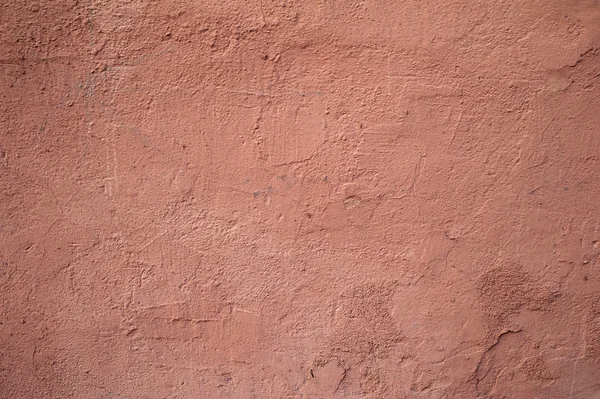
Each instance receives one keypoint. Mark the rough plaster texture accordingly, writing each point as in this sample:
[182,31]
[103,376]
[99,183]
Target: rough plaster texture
[284,199]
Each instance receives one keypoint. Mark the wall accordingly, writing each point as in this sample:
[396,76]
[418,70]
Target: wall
[284,199]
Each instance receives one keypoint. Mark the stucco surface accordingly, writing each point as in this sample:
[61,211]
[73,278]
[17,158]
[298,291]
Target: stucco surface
[285,199]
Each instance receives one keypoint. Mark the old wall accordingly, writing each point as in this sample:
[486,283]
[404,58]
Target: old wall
[285,199]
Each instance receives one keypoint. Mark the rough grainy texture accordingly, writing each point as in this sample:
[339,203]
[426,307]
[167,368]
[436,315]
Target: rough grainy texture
[285,199]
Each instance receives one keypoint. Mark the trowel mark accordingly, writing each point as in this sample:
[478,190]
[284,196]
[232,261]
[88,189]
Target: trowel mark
[351,201]
[111,171]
